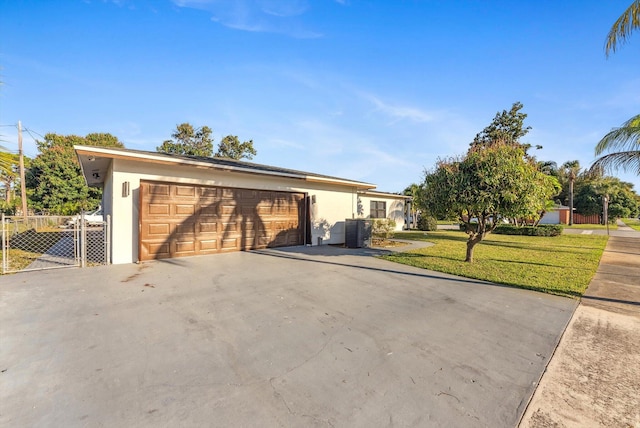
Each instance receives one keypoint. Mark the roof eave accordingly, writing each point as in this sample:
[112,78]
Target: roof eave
[168,160]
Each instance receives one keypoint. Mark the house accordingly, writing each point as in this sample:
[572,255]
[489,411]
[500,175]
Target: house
[373,204]
[163,205]
[557,215]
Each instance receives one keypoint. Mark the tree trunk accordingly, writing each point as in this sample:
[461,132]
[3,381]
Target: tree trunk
[471,242]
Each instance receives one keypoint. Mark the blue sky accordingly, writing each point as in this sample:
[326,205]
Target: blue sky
[367,90]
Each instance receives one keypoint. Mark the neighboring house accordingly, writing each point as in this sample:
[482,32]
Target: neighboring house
[557,215]
[165,205]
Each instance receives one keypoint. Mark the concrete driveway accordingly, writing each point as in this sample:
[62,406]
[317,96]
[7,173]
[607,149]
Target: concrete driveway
[294,337]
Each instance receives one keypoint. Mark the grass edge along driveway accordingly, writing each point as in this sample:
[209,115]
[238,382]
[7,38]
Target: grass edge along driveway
[562,265]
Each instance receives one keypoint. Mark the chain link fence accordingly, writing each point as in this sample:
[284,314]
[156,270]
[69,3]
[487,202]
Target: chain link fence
[53,242]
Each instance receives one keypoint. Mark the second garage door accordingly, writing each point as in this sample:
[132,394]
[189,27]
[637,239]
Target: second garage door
[184,220]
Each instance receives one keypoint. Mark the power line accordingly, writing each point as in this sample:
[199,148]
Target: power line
[29,131]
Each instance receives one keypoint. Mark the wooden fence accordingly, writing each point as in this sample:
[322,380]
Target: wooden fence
[587,219]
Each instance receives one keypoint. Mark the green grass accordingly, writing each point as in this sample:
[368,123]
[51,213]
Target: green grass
[633,223]
[562,265]
[20,259]
[612,226]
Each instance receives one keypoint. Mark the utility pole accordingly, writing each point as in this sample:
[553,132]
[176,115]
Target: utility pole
[605,211]
[23,186]
[572,177]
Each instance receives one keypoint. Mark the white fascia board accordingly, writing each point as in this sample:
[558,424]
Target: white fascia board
[150,157]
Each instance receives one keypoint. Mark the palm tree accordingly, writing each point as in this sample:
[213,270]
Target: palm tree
[623,145]
[622,28]
[6,160]
[570,170]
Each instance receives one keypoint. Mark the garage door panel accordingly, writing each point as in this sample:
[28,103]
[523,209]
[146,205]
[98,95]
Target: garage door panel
[184,229]
[159,249]
[230,227]
[245,194]
[186,247]
[207,210]
[207,227]
[208,245]
[155,189]
[209,192]
[181,220]
[185,209]
[159,209]
[158,229]
[227,208]
[185,191]
[229,243]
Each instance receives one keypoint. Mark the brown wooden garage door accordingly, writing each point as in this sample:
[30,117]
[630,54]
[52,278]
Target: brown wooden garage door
[179,220]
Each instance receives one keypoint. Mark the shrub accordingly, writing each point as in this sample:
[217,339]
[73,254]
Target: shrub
[383,227]
[427,223]
[540,230]
[8,208]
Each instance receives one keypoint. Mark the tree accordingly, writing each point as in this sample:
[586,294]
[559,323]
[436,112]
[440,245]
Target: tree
[54,180]
[627,137]
[415,191]
[549,168]
[9,174]
[623,201]
[506,127]
[622,28]
[623,143]
[231,147]
[570,170]
[491,183]
[190,141]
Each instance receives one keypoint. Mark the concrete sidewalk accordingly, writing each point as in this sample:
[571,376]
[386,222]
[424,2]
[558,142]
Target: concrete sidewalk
[593,379]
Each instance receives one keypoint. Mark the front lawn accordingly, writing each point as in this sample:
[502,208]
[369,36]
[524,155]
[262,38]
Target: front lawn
[612,226]
[562,265]
[633,223]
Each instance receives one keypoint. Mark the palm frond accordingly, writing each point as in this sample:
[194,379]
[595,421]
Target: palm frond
[626,160]
[622,28]
[626,137]
[6,160]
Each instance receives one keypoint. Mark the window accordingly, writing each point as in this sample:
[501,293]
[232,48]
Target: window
[378,209]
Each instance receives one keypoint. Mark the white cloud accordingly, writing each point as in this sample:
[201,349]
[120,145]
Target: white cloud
[398,112]
[269,16]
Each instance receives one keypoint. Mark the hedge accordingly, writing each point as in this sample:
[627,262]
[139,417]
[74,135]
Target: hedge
[426,222]
[540,230]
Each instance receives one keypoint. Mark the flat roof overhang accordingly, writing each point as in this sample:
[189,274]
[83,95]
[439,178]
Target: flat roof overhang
[95,163]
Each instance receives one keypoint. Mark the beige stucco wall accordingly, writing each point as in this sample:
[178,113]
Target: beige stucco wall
[395,208]
[333,204]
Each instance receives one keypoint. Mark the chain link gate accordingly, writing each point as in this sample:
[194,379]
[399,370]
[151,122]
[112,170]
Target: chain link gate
[52,242]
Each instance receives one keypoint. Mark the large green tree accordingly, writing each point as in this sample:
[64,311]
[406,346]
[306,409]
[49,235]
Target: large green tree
[54,180]
[491,183]
[231,147]
[623,27]
[506,127]
[187,140]
[623,201]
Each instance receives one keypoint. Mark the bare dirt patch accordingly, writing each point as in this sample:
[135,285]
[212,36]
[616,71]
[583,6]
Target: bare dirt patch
[386,243]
